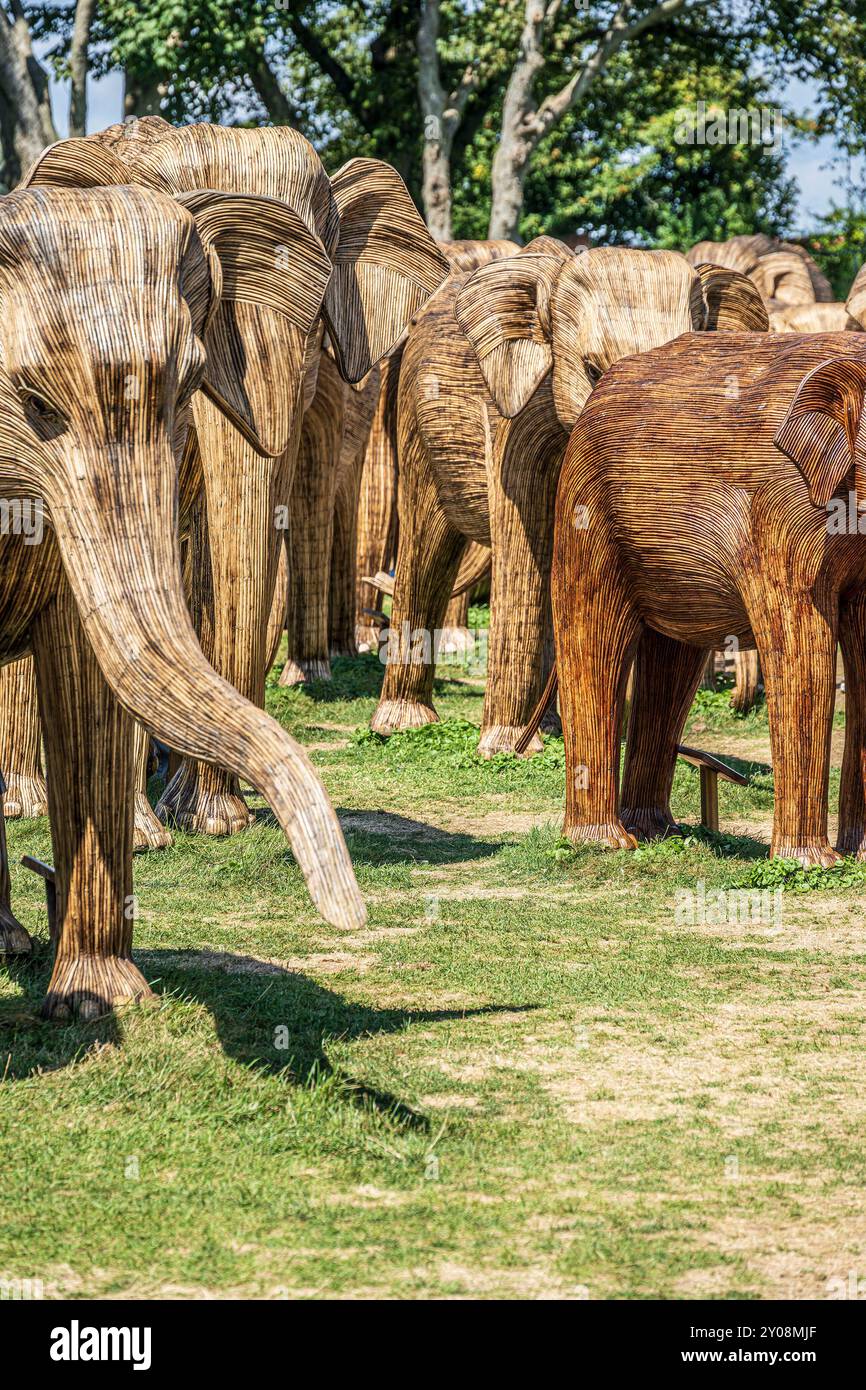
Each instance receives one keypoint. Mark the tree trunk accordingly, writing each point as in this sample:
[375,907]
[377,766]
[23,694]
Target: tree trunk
[26,124]
[436,184]
[78,65]
[142,96]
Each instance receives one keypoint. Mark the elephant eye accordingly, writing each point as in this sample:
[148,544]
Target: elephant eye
[41,415]
[593,372]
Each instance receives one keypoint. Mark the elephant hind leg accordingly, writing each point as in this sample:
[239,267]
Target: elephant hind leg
[148,832]
[795,630]
[88,752]
[666,675]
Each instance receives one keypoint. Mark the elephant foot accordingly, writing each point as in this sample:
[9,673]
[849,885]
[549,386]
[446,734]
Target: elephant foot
[502,738]
[852,840]
[818,854]
[393,716]
[611,834]
[14,940]
[89,987]
[366,638]
[343,650]
[147,832]
[455,641]
[648,822]
[314,668]
[25,796]
[185,803]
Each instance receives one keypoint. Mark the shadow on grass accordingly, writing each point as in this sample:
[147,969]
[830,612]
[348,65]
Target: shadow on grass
[723,845]
[268,1018]
[383,837]
[280,1021]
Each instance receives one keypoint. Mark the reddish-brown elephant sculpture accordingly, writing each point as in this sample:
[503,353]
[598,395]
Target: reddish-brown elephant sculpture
[707,492]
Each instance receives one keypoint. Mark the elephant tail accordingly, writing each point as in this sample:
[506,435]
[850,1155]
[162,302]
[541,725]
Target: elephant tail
[539,712]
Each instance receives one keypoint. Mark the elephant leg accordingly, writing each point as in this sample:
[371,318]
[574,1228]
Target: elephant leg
[148,832]
[201,796]
[427,562]
[747,673]
[277,618]
[88,754]
[456,636]
[377,504]
[666,675]
[341,600]
[312,529]
[597,630]
[852,782]
[522,492]
[14,940]
[19,741]
[796,640]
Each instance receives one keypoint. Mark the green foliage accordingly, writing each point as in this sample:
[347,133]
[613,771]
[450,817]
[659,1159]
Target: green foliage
[612,169]
[792,877]
[618,170]
[451,745]
[839,246]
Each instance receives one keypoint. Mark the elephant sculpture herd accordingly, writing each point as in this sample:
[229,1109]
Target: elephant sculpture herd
[241,389]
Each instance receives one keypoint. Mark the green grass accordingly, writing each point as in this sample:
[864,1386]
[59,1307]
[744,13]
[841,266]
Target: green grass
[536,1072]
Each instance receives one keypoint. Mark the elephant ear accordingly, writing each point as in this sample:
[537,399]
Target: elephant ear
[76,163]
[732,302]
[263,254]
[504,311]
[819,432]
[386,265]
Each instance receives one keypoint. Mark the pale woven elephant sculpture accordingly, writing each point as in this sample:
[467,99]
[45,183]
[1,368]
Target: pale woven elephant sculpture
[664,455]
[106,297]
[355,253]
[377,508]
[784,271]
[494,374]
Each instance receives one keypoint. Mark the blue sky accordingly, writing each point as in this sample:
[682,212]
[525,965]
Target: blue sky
[807,162]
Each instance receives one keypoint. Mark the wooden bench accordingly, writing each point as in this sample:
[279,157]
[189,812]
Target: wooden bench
[46,872]
[711,769]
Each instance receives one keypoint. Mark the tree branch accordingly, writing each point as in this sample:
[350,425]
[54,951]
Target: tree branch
[555,105]
[270,91]
[331,67]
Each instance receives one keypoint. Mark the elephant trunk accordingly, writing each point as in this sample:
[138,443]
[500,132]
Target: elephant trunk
[122,559]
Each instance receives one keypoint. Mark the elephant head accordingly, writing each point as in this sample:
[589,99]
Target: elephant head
[856,303]
[105,298]
[383,264]
[784,272]
[548,311]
